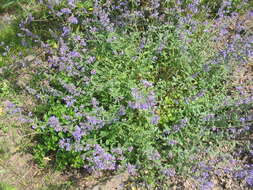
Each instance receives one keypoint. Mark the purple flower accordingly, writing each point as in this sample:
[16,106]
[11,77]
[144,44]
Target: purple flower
[93,29]
[69,101]
[71,3]
[154,155]
[132,105]
[166,132]
[122,111]
[22,119]
[93,72]
[209,117]
[94,102]
[12,108]
[250,14]
[160,48]
[249,180]
[91,60]
[102,160]
[66,31]
[54,123]
[182,124]
[205,174]
[200,94]
[93,120]
[66,11]
[65,144]
[62,143]
[117,151]
[78,147]
[147,83]
[143,102]
[195,75]
[71,88]
[207,186]
[155,119]
[131,169]
[104,18]
[169,172]
[74,54]
[172,142]
[242,119]
[78,133]
[83,43]
[86,127]
[73,20]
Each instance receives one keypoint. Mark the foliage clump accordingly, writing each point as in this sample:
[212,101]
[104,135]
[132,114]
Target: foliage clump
[133,84]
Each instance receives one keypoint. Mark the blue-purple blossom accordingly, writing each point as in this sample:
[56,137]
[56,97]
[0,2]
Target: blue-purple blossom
[180,125]
[142,102]
[91,59]
[166,132]
[172,142]
[83,43]
[93,72]
[62,143]
[71,3]
[102,160]
[94,103]
[86,127]
[94,120]
[65,144]
[160,48]
[12,108]
[77,38]
[155,119]
[74,54]
[169,172]
[66,31]
[147,83]
[93,29]
[122,111]
[55,123]
[207,186]
[209,117]
[23,119]
[131,169]
[117,151]
[249,181]
[69,100]
[205,175]
[78,133]
[78,147]
[154,155]
[65,11]
[71,88]
[73,20]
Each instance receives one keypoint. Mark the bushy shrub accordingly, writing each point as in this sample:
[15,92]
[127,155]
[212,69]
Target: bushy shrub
[130,84]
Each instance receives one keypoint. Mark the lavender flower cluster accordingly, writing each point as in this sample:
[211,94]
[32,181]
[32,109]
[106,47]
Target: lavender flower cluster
[18,113]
